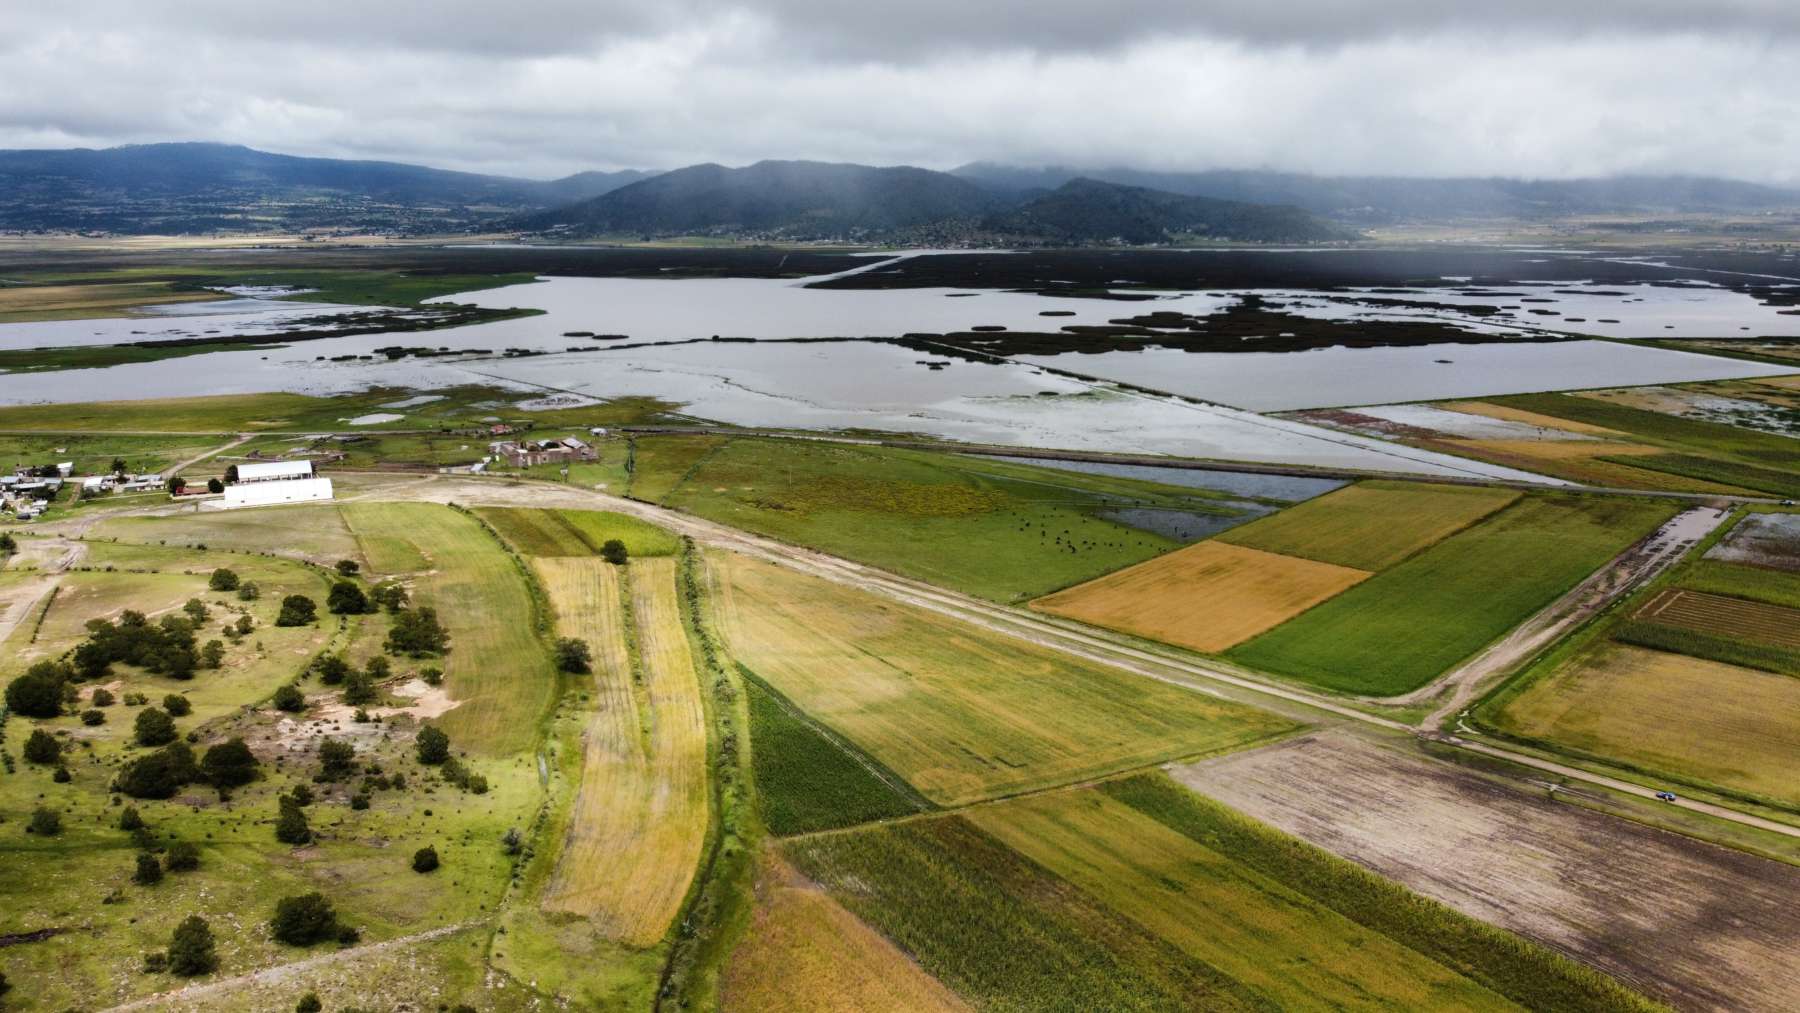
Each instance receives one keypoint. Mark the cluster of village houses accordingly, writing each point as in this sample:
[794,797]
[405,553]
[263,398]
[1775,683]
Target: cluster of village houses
[29,490]
[261,483]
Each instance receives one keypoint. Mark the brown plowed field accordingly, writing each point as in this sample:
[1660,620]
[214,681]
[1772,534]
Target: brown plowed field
[1725,616]
[1699,926]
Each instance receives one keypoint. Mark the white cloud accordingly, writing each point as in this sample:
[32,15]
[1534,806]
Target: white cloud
[542,87]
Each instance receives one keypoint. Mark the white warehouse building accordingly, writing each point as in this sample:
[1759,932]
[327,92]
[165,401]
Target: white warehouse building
[273,482]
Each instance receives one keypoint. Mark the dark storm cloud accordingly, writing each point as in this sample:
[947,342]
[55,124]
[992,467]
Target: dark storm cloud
[1410,87]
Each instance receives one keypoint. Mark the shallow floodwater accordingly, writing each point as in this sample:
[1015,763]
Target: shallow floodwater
[877,386]
[1336,377]
[1290,488]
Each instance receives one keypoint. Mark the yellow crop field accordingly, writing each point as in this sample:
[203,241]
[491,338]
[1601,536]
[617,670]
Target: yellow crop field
[1371,525]
[959,712]
[1206,597]
[1721,723]
[641,810]
[497,670]
[1254,928]
[805,954]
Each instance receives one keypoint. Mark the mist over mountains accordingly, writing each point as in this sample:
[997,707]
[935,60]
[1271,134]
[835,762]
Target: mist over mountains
[189,188]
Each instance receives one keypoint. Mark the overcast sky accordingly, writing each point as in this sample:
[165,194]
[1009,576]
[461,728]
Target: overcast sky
[546,87]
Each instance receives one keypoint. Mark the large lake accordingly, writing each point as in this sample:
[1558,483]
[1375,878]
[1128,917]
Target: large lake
[876,386]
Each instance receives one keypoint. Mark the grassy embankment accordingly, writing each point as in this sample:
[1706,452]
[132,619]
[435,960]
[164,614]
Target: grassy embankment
[998,530]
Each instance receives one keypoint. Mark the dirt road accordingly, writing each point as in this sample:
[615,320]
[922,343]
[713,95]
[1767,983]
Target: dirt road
[1201,676]
[1630,570]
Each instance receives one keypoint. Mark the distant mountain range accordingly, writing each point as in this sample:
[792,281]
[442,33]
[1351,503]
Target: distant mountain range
[210,188]
[1370,200]
[188,188]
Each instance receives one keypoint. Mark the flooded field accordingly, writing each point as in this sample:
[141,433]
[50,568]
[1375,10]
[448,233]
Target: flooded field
[1337,377]
[791,354]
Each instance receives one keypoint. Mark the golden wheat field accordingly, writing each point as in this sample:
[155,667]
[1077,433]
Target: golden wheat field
[641,810]
[1721,723]
[1206,597]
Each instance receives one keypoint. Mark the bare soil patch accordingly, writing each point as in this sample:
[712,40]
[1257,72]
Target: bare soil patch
[1699,926]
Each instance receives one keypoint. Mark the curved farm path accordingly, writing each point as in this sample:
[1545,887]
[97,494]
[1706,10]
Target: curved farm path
[282,972]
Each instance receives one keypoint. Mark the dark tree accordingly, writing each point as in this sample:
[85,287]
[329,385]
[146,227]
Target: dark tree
[153,727]
[102,697]
[389,595]
[309,1003]
[304,920]
[249,592]
[337,759]
[614,552]
[433,745]
[8,544]
[291,827]
[359,689]
[297,610]
[214,486]
[93,717]
[289,698]
[42,747]
[175,484]
[346,599]
[223,580]
[36,694]
[425,859]
[160,774]
[130,820]
[191,949]
[417,632]
[348,567]
[183,856]
[149,870]
[573,655]
[229,764]
[231,474]
[331,668]
[45,822]
[213,654]
[177,705]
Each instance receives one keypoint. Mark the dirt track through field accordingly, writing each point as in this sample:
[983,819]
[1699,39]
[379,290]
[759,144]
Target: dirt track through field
[1631,569]
[1700,926]
[1206,677]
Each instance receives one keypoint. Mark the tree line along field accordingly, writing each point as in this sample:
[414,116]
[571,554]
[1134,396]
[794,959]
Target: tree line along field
[961,714]
[1002,531]
[80,882]
[1693,681]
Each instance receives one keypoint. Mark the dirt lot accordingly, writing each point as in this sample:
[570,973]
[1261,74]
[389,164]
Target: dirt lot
[1698,926]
